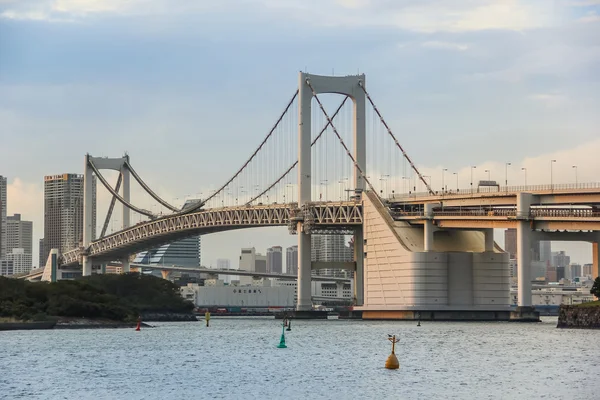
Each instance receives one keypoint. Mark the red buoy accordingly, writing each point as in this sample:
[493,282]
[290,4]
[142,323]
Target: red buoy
[139,324]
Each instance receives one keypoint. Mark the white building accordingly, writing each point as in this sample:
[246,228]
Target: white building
[225,263]
[250,260]
[216,294]
[21,261]
[19,243]
[336,290]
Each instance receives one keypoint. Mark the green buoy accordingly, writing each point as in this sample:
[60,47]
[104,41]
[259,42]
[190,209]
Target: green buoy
[289,328]
[282,340]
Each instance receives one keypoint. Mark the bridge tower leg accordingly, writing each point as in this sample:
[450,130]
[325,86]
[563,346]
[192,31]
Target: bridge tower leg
[126,211]
[350,86]
[88,213]
[524,250]
[428,228]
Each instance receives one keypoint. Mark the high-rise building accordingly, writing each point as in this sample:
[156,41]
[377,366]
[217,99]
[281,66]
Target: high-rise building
[250,260]
[291,260]
[561,259]
[63,212]
[510,242]
[3,205]
[19,238]
[330,248]
[274,259]
[545,251]
[586,270]
[223,263]
[41,260]
[6,268]
[574,271]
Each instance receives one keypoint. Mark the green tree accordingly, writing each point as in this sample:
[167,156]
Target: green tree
[595,290]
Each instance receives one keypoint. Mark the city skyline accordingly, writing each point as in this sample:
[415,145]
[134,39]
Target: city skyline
[512,74]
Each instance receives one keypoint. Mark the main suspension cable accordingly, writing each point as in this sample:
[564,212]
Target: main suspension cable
[414,167]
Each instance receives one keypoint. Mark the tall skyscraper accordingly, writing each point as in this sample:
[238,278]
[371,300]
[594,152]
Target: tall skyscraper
[41,259]
[274,259]
[63,212]
[331,248]
[3,203]
[510,242]
[291,260]
[546,251]
[223,263]
[250,260]
[19,243]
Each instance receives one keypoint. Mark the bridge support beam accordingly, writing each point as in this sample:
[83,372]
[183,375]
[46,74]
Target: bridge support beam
[359,274]
[86,265]
[524,250]
[428,228]
[103,268]
[126,265]
[304,272]
[489,239]
[126,194]
[595,260]
[88,213]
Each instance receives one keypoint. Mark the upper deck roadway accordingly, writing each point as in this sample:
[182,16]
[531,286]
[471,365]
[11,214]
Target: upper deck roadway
[495,209]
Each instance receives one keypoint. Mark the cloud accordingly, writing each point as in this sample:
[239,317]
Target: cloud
[445,45]
[425,16]
[550,100]
[591,16]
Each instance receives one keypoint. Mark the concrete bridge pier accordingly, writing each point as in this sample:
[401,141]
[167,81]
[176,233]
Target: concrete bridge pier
[524,311]
[489,239]
[126,265]
[304,272]
[359,274]
[595,260]
[428,228]
[86,264]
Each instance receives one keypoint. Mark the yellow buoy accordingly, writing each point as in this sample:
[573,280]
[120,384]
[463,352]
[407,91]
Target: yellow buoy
[392,360]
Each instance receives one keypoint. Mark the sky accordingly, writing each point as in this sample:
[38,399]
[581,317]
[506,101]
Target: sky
[189,89]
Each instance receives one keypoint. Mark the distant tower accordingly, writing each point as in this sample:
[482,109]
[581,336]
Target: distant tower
[274,259]
[63,212]
[3,205]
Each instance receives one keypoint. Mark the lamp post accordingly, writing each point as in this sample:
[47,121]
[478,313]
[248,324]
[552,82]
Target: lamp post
[406,178]
[525,170]
[427,176]
[488,172]
[575,168]
[443,170]
[551,177]
[456,173]
[472,168]
[506,175]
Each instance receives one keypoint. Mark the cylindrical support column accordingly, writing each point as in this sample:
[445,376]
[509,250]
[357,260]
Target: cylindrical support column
[304,273]
[54,267]
[87,266]
[88,213]
[126,194]
[125,264]
[595,260]
[359,274]
[489,239]
[524,263]
[428,236]
[304,140]
[103,268]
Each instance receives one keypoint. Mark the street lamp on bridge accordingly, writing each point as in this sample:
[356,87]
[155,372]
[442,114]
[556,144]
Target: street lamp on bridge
[488,172]
[382,179]
[575,168]
[456,173]
[525,170]
[443,170]
[551,177]
[472,168]
[506,165]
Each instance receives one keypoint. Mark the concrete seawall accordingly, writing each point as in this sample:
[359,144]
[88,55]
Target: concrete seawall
[579,317]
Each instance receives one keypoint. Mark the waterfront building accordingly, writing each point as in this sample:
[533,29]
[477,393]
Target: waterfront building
[215,293]
[19,243]
[63,213]
[331,249]
[250,260]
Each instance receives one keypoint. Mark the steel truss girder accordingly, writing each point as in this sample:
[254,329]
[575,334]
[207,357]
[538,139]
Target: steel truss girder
[317,218]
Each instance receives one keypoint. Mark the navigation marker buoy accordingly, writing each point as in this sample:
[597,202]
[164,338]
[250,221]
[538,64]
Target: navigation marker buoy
[289,328]
[282,339]
[392,360]
[139,324]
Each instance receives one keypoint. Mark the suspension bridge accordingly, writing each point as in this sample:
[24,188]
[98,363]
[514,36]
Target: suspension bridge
[345,172]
